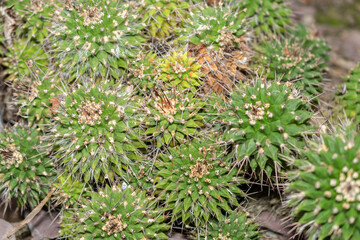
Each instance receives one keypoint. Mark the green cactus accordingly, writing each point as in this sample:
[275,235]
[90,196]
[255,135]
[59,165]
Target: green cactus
[25,171]
[97,39]
[300,59]
[180,71]
[69,192]
[267,16]
[236,226]
[325,192]
[143,73]
[172,117]
[34,17]
[266,121]
[42,100]
[349,100]
[113,213]
[216,26]
[197,183]
[162,16]
[94,133]
[24,59]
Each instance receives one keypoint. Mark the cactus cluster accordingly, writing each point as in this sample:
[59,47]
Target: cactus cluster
[197,183]
[325,195]
[266,121]
[115,213]
[173,117]
[236,226]
[94,133]
[349,96]
[300,59]
[267,16]
[146,116]
[162,16]
[25,171]
[96,39]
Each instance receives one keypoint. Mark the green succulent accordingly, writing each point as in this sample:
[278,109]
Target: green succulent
[236,226]
[217,26]
[266,121]
[143,73]
[26,173]
[197,183]
[180,71]
[35,17]
[97,39]
[24,59]
[172,117]
[95,134]
[298,59]
[325,191]
[266,16]
[42,100]
[349,100]
[162,16]
[69,192]
[113,213]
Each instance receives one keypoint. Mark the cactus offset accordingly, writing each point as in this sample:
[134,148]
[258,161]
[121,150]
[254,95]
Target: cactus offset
[325,192]
[197,183]
[25,171]
[265,121]
[113,213]
[94,133]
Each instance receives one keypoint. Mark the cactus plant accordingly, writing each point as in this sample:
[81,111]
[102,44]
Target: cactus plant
[34,17]
[69,192]
[180,71]
[143,73]
[267,16]
[299,59]
[23,59]
[97,39]
[25,171]
[197,183]
[348,101]
[41,100]
[113,213]
[216,26]
[172,117]
[236,226]
[325,190]
[94,133]
[265,122]
[162,16]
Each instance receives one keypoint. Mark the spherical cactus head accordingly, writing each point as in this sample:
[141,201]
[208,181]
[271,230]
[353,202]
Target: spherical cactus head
[97,39]
[299,58]
[266,123]
[180,71]
[25,171]
[237,225]
[218,26]
[173,117]
[197,184]
[114,213]
[94,133]
[325,192]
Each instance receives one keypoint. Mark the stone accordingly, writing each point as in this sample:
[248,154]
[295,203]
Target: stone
[5,228]
[45,225]
[10,211]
